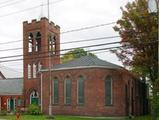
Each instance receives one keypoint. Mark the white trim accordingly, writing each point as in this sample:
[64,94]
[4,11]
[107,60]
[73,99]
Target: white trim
[14,103]
[8,104]
[79,67]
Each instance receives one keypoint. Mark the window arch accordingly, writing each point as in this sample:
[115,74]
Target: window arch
[29,71]
[30,42]
[55,90]
[80,90]
[39,66]
[38,42]
[67,90]
[108,91]
[34,97]
[51,43]
[34,70]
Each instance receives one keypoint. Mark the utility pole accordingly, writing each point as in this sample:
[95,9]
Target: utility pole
[50,106]
[48,10]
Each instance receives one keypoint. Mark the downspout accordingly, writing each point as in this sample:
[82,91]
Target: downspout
[41,80]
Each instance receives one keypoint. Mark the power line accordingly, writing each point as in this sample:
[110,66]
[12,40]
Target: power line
[117,47]
[66,49]
[89,27]
[19,1]
[11,42]
[46,56]
[6,1]
[77,41]
[28,9]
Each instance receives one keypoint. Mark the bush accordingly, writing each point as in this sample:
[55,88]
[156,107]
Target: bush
[34,109]
[50,117]
[3,112]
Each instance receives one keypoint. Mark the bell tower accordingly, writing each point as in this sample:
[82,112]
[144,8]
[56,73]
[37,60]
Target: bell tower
[41,48]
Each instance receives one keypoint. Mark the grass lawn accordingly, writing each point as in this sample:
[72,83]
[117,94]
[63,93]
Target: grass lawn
[60,117]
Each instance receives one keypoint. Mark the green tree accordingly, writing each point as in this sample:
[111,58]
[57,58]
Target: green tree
[75,53]
[139,34]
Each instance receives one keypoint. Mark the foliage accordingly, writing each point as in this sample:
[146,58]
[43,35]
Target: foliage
[139,34]
[34,109]
[76,53]
[3,112]
[50,117]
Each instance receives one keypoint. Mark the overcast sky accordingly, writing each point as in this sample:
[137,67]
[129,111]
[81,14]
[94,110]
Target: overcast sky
[68,14]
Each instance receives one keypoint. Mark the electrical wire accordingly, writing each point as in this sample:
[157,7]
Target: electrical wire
[89,27]
[64,33]
[4,2]
[28,9]
[19,1]
[96,45]
[47,56]
[77,41]
[116,47]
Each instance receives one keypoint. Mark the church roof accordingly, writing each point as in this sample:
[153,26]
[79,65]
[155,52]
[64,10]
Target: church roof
[12,86]
[86,62]
[9,72]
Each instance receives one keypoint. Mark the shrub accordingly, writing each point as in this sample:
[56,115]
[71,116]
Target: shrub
[3,112]
[50,117]
[34,109]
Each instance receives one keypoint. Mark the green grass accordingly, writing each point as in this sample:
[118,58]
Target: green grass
[62,117]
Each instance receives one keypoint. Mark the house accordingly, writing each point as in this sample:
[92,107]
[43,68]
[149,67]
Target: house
[84,86]
[11,94]
[11,89]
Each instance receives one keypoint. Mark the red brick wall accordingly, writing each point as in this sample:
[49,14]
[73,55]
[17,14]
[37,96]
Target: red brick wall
[44,27]
[94,93]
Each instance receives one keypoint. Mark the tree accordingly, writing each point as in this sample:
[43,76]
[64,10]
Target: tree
[139,34]
[76,53]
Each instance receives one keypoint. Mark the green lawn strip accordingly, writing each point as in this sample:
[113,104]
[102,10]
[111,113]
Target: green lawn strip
[57,117]
[64,117]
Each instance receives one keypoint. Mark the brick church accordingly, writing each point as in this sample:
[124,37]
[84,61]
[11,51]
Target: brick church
[84,86]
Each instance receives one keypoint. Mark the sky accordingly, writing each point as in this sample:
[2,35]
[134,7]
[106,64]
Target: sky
[69,15]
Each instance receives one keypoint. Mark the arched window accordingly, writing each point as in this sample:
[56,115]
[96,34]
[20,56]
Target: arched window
[67,90]
[55,90]
[29,71]
[34,70]
[108,91]
[51,43]
[38,42]
[30,43]
[19,102]
[80,90]
[39,66]
[34,97]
